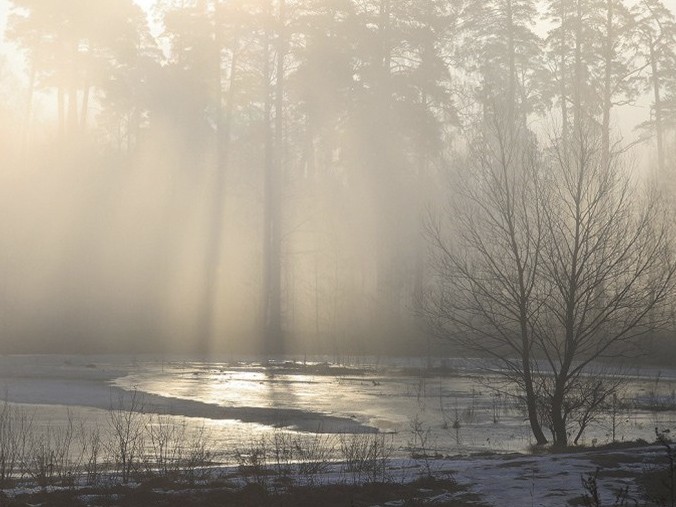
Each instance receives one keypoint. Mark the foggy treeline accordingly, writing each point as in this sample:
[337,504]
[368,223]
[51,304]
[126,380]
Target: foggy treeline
[222,175]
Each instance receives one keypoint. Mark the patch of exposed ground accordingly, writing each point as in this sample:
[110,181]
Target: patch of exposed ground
[440,493]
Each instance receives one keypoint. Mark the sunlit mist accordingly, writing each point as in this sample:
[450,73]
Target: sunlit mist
[337,252]
[260,176]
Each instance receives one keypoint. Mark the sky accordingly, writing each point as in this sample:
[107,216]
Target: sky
[4,8]
[148,4]
[145,4]
[14,58]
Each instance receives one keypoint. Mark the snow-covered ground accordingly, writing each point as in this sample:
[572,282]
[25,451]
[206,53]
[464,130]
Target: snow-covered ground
[514,480]
[544,480]
[553,479]
[521,480]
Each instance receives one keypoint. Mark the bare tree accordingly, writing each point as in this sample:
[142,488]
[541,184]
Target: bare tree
[550,259]
[586,400]
[607,269]
[487,274]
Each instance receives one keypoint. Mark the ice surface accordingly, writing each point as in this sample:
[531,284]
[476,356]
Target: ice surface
[238,401]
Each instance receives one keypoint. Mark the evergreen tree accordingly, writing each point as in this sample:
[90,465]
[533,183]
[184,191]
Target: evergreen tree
[656,37]
[502,49]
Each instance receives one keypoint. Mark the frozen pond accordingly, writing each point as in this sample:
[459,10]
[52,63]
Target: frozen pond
[450,410]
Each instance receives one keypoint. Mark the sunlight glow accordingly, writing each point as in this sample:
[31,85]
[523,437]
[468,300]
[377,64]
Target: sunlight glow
[147,5]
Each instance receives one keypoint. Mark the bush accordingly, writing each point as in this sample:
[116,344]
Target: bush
[16,427]
[365,456]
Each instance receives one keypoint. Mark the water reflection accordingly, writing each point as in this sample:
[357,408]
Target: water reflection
[460,413]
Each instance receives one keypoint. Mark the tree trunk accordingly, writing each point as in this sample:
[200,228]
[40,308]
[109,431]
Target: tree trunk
[272,242]
[659,127]
[607,84]
[72,92]
[577,78]
[382,160]
[531,405]
[217,219]
[60,98]
[29,109]
[511,105]
[559,432]
[85,107]
[423,168]
[563,91]
[72,110]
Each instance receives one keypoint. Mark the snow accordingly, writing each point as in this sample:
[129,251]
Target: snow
[544,480]
[515,480]
[498,480]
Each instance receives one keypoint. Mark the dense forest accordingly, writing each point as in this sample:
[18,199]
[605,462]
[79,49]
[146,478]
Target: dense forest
[225,176]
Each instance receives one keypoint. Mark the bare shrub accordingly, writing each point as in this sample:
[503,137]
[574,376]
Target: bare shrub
[284,454]
[92,450]
[282,447]
[419,445]
[587,400]
[252,460]
[613,408]
[365,456]
[48,460]
[15,428]
[127,422]
[39,464]
[164,446]
[194,455]
[592,496]
[669,482]
[313,454]
[421,433]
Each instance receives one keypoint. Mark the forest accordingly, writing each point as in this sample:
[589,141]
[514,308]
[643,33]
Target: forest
[204,175]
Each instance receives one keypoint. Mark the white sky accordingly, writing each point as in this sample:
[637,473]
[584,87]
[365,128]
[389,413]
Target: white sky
[147,6]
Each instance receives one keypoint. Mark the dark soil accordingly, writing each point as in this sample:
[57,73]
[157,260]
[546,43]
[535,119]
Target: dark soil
[659,483]
[252,495]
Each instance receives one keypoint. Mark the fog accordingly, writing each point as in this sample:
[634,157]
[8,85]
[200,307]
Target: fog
[248,176]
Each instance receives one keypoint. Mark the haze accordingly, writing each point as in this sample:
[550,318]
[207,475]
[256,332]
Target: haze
[247,176]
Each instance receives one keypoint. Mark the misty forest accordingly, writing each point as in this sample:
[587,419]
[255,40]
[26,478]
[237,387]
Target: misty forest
[338,252]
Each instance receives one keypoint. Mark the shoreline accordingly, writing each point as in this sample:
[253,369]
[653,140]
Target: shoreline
[71,385]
